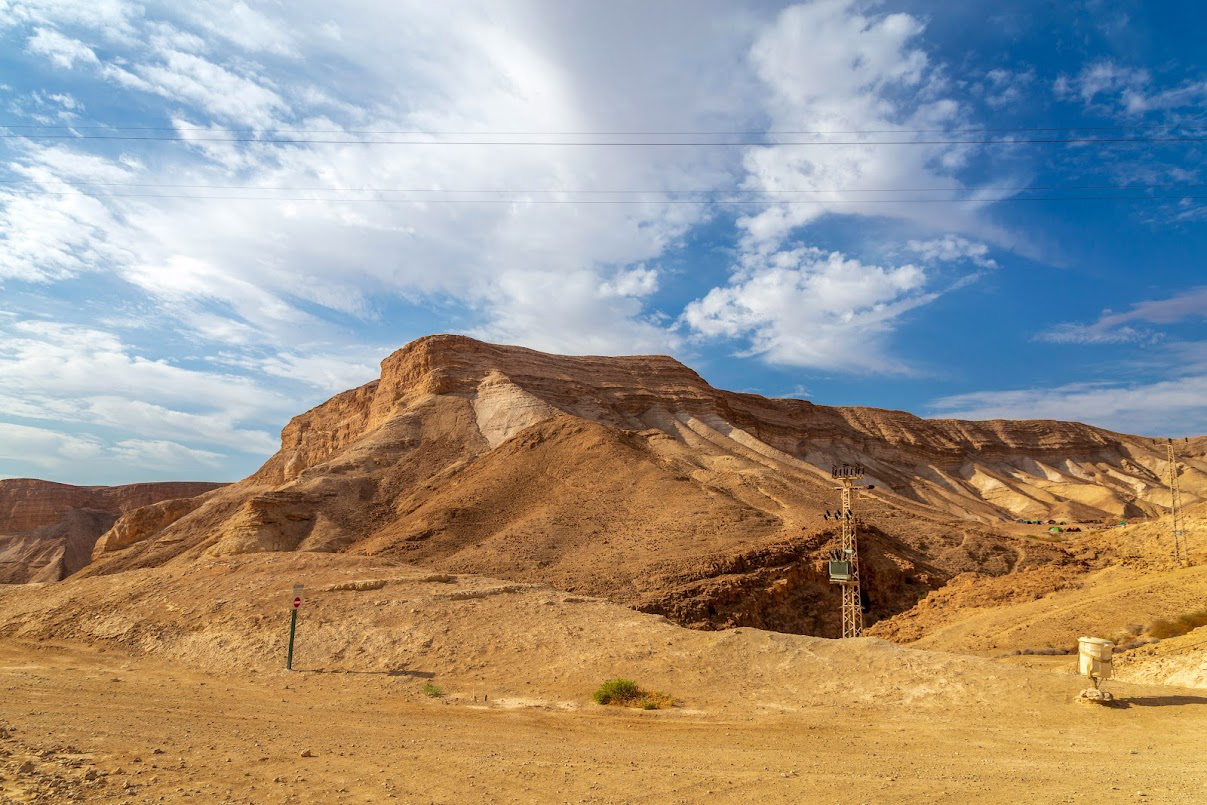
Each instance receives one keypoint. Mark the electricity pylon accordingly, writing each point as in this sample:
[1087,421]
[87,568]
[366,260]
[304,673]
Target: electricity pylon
[844,571]
[1180,555]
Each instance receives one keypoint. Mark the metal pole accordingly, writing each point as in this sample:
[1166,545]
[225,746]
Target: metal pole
[852,610]
[293,625]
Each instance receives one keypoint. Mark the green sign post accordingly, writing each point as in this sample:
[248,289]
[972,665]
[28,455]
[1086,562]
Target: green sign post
[293,624]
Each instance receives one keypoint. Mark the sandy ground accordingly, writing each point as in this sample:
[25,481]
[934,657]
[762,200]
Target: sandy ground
[147,731]
[1104,603]
[167,685]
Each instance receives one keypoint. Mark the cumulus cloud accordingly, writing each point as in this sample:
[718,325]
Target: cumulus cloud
[828,67]
[804,307]
[952,248]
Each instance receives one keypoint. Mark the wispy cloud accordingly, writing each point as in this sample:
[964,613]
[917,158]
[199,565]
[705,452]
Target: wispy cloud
[1163,408]
[62,50]
[1115,328]
[1130,90]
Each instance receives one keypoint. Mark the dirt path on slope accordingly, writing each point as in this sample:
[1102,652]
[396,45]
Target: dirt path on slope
[106,727]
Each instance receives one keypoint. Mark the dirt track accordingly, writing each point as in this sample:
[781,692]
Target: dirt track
[374,737]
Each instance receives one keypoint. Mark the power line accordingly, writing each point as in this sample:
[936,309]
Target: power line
[717,201]
[666,133]
[605,143]
[599,191]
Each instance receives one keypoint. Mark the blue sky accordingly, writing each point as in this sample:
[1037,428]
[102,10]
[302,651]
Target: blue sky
[214,215]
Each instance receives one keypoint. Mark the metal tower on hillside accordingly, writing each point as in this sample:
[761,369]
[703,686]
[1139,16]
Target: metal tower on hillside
[1180,555]
[844,569]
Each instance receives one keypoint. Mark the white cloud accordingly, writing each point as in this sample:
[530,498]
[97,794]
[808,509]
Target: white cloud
[163,455]
[589,317]
[242,99]
[803,307]
[1071,333]
[952,248]
[62,50]
[827,67]
[110,18]
[1115,328]
[55,371]
[243,271]
[639,281]
[1003,88]
[237,22]
[329,372]
[51,449]
[1127,89]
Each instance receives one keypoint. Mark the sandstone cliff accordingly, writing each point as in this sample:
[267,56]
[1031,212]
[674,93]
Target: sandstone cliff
[47,530]
[633,478]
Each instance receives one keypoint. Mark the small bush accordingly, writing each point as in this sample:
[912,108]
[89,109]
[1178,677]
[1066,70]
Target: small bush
[431,691]
[626,693]
[1163,629]
[617,691]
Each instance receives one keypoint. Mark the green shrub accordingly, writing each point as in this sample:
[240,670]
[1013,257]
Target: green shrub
[431,691]
[617,691]
[626,693]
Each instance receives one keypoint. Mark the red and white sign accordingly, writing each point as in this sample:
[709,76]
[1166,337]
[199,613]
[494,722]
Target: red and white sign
[297,601]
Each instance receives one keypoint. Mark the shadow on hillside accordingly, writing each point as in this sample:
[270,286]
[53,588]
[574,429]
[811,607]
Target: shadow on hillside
[392,672]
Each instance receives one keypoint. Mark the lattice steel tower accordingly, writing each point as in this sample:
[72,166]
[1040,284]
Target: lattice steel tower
[1180,555]
[844,570]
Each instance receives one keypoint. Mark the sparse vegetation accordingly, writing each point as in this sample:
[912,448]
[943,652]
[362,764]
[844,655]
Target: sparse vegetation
[1048,651]
[626,693]
[431,691]
[1163,629]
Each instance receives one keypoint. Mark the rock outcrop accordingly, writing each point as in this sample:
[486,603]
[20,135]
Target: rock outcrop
[48,530]
[633,478]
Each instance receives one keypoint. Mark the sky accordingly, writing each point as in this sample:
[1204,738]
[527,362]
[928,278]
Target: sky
[214,215]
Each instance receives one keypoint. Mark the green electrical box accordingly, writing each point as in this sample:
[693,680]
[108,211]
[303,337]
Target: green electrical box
[840,570]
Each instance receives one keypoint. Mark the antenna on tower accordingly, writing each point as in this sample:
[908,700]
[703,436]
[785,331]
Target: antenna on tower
[844,568]
[1180,555]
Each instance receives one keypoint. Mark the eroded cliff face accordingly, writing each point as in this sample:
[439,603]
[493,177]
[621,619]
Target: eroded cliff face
[634,479]
[47,530]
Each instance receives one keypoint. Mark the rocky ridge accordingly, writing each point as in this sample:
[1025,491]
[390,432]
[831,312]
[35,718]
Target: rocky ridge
[48,530]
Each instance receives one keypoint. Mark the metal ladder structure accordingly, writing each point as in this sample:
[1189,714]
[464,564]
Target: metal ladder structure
[844,570]
[1180,556]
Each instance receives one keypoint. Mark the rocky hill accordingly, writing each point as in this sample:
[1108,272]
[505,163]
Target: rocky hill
[48,530]
[633,478]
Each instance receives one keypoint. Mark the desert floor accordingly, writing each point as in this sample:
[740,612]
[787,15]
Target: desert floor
[94,724]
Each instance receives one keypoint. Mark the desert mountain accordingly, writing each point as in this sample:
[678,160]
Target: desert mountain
[634,479]
[47,530]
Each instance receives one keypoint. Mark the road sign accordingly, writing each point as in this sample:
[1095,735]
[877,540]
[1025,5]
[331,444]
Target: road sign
[293,623]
